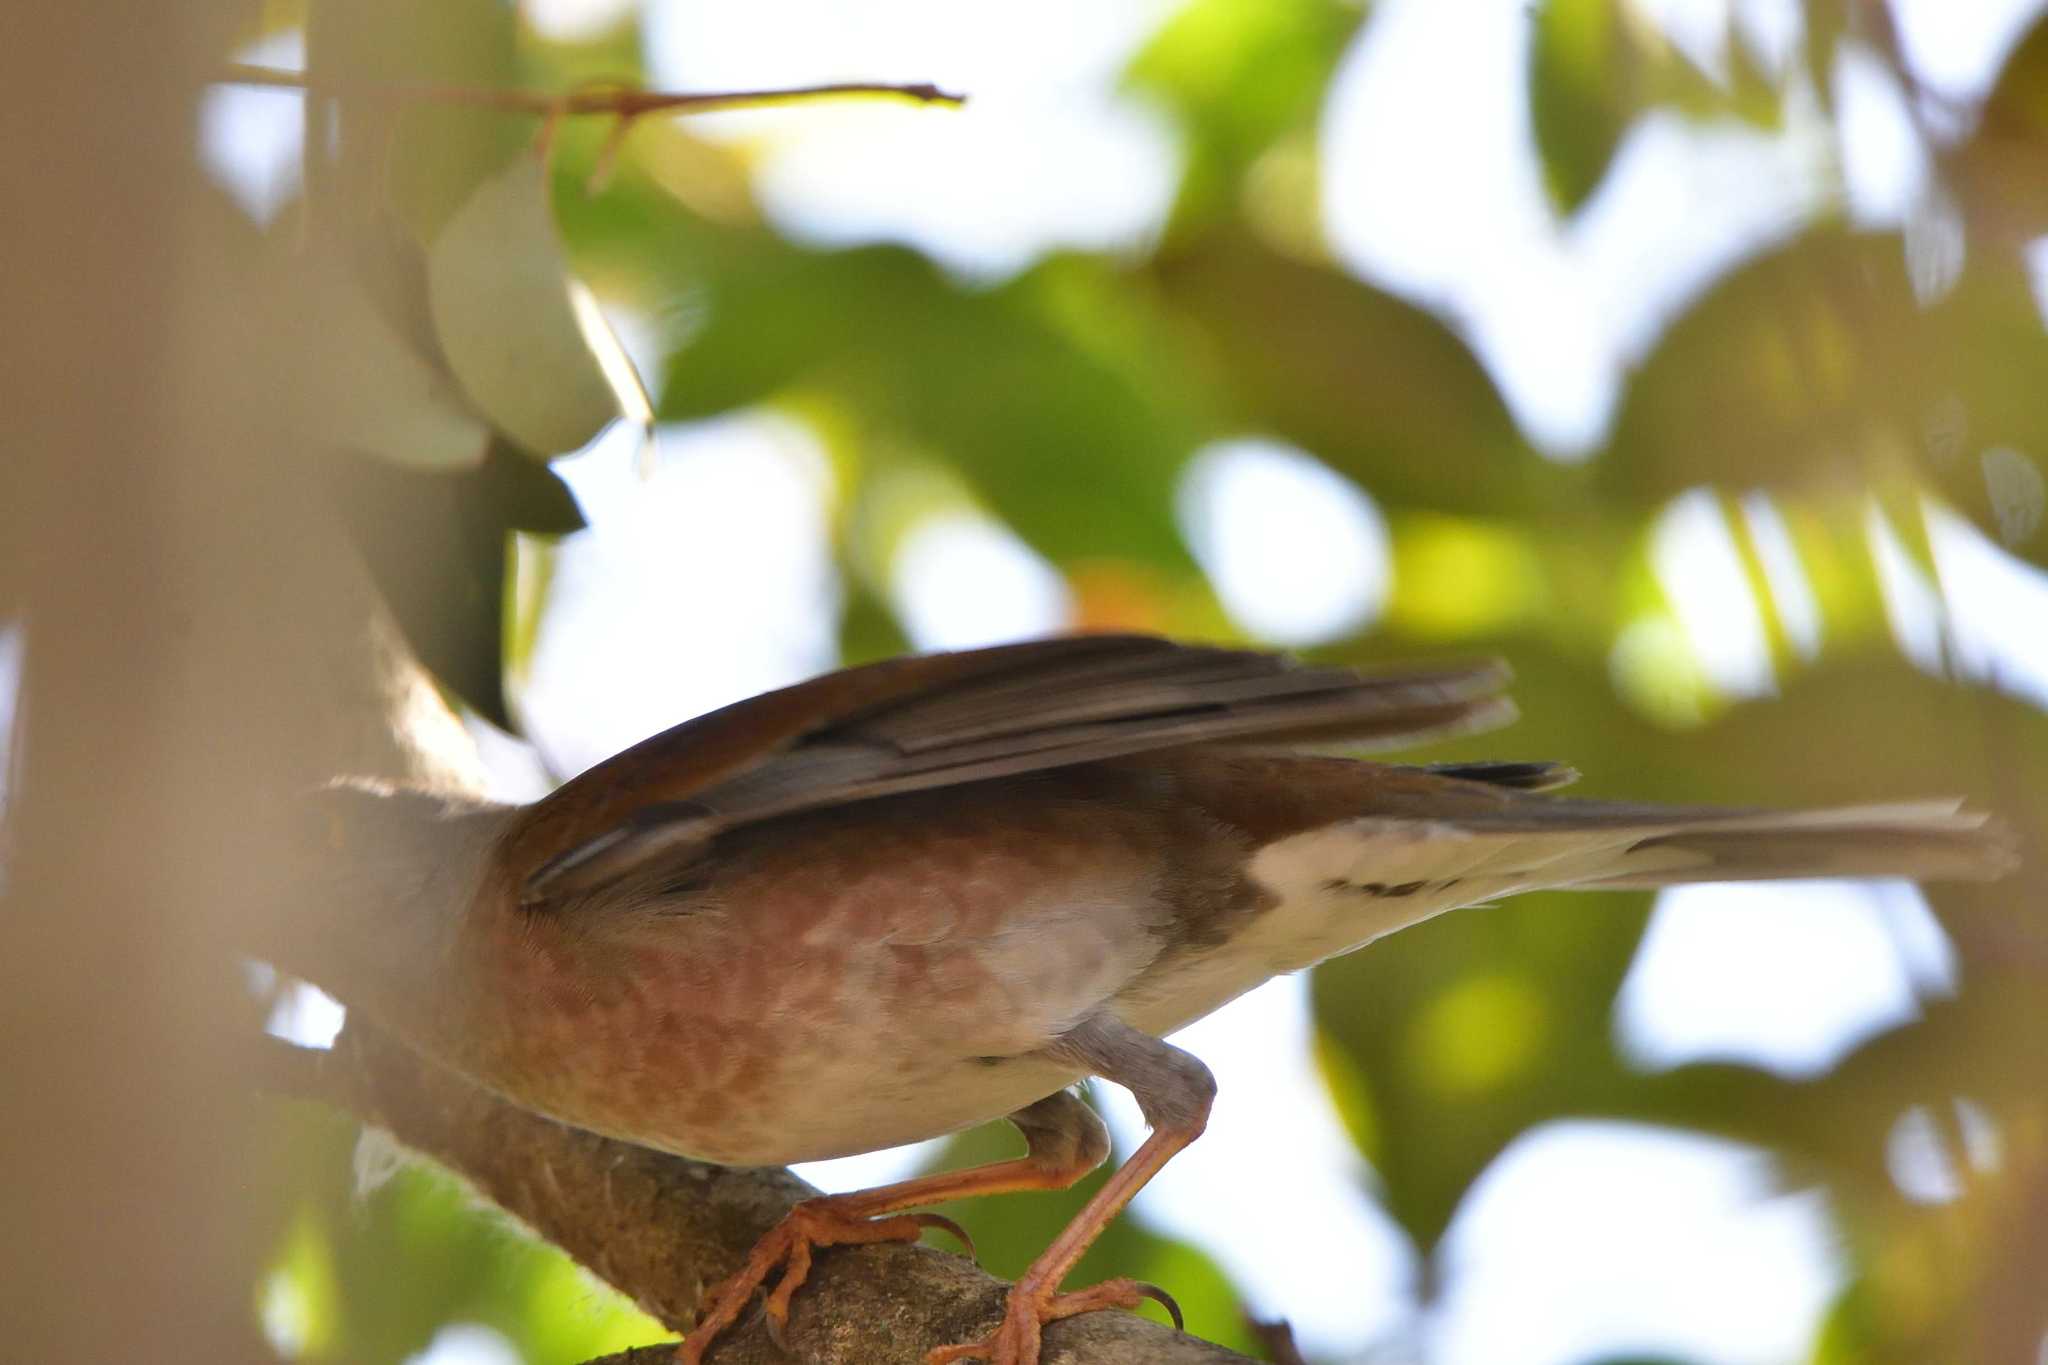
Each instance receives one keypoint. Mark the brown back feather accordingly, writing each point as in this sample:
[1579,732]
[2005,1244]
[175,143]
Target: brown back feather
[938,720]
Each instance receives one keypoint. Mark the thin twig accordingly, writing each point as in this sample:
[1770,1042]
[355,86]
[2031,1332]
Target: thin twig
[622,101]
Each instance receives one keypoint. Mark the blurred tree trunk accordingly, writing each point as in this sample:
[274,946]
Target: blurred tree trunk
[125,1226]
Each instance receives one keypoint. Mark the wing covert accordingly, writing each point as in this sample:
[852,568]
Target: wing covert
[942,719]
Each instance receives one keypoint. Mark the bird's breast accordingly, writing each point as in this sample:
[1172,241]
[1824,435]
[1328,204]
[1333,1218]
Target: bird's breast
[838,987]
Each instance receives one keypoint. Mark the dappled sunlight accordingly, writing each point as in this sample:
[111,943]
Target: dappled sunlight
[1298,554]
[1885,164]
[1787,977]
[1791,590]
[251,139]
[1023,177]
[1701,572]
[573,20]
[1045,154]
[1458,218]
[1564,1250]
[1957,49]
[467,1343]
[869,1169]
[1934,1161]
[1912,603]
[961,580]
[701,582]
[306,1016]
[1985,591]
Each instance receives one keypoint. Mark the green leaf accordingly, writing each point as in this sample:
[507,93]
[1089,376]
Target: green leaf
[353,376]
[1815,368]
[1375,387]
[1240,76]
[438,546]
[1065,429]
[1582,93]
[1985,437]
[1596,66]
[426,158]
[1416,1016]
[1801,368]
[2018,103]
[501,293]
[523,496]
[355,383]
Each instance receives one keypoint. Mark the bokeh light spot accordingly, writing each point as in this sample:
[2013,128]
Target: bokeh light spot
[1297,552]
[1479,1034]
[1823,966]
[962,580]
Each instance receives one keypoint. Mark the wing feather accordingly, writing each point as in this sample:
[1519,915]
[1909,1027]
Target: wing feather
[939,720]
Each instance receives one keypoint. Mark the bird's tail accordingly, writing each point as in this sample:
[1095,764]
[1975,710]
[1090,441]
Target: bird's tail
[1440,849]
[1923,840]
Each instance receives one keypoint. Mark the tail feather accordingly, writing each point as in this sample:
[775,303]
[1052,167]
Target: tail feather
[1927,841]
[1427,849]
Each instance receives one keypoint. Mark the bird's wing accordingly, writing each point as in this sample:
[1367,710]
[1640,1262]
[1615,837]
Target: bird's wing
[941,719]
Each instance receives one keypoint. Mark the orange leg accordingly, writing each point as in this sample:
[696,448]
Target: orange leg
[1064,1141]
[1175,1092]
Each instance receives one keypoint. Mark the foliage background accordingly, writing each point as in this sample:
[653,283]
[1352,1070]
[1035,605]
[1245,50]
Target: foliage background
[1794,560]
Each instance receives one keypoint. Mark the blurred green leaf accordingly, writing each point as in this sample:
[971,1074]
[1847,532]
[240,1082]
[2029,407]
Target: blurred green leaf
[1827,24]
[1377,388]
[426,158]
[1814,368]
[509,321]
[1240,75]
[1584,91]
[298,1296]
[1067,443]
[359,384]
[438,546]
[1413,1014]
[1986,432]
[1800,368]
[1596,66]
[419,1251]
[2018,102]
[1466,577]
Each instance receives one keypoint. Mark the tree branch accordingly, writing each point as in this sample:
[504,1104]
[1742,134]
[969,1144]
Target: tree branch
[618,101]
[661,1229]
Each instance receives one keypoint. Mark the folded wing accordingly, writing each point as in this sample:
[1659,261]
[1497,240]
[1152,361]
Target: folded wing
[938,720]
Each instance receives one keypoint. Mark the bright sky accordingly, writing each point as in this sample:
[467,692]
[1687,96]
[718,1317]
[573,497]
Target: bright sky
[723,545]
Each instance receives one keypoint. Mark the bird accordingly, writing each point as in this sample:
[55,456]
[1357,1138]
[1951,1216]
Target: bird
[907,898]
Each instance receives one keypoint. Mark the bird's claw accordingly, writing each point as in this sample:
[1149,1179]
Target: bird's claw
[1016,1340]
[1163,1299]
[950,1228]
[788,1245]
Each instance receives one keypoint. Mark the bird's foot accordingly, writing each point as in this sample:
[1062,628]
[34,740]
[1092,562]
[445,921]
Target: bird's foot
[813,1223]
[1016,1341]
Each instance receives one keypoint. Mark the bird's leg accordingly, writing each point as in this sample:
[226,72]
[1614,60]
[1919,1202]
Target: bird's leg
[1175,1091]
[1064,1140]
